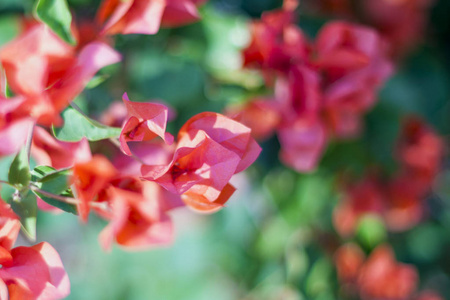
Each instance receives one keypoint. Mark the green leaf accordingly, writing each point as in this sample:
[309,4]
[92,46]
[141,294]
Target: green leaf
[56,14]
[19,172]
[41,171]
[55,182]
[25,206]
[76,126]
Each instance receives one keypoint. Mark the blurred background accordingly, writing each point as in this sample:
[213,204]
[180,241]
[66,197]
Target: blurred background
[276,238]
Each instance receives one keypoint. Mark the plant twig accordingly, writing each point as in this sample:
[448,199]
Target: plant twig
[7,183]
[68,200]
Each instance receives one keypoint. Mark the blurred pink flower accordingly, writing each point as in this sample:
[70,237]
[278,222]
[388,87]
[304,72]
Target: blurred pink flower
[138,219]
[48,73]
[383,278]
[146,16]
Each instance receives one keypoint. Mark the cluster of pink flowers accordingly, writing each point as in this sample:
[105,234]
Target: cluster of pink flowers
[400,201]
[149,177]
[379,276]
[322,88]
[401,22]
[195,172]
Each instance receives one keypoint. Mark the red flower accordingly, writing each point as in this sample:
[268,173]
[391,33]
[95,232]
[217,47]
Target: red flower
[349,259]
[9,229]
[302,143]
[46,150]
[146,16]
[383,278]
[420,150]
[344,47]
[402,22]
[48,73]
[261,116]
[361,198]
[147,121]
[405,204]
[138,217]
[34,272]
[89,179]
[276,43]
[13,131]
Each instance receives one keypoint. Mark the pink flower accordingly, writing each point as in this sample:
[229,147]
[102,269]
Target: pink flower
[138,218]
[276,43]
[147,121]
[9,229]
[383,278]
[349,259]
[211,149]
[13,130]
[89,179]
[146,16]
[48,73]
[420,150]
[46,150]
[401,22]
[405,203]
[261,116]
[34,272]
[361,198]
[302,143]
[344,47]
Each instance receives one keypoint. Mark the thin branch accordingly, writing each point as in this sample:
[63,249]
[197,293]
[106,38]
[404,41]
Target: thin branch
[7,183]
[68,200]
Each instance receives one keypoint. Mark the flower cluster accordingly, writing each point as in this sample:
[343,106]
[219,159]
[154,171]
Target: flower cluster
[401,200]
[150,176]
[378,276]
[322,88]
[401,22]
[195,172]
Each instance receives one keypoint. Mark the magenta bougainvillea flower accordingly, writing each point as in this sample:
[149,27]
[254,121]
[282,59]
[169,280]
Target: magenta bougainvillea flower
[147,121]
[211,149]
[34,272]
[146,16]
[322,88]
[48,73]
